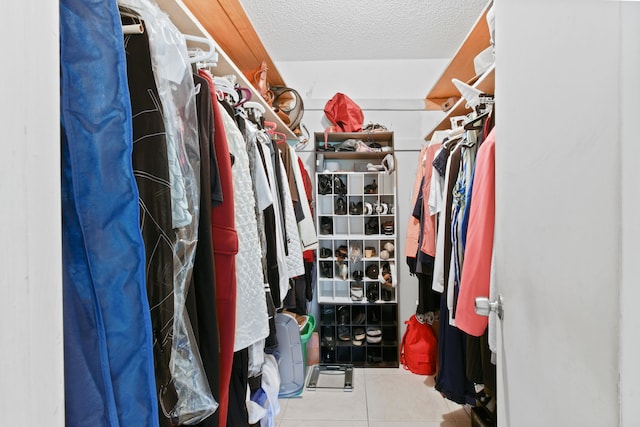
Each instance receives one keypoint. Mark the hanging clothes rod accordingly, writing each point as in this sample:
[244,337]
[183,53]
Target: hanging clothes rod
[133,29]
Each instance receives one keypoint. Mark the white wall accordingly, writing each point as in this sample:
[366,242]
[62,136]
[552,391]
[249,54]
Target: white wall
[31,347]
[558,222]
[390,93]
[630,229]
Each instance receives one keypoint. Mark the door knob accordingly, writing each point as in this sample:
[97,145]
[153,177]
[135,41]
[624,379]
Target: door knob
[484,307]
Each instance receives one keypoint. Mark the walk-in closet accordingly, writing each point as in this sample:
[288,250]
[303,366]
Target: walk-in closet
[237,213]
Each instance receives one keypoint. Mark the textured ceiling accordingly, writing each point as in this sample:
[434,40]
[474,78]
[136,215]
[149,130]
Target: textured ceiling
[324,30]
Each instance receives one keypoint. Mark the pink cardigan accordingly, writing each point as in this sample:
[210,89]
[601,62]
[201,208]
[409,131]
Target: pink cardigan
[476,270]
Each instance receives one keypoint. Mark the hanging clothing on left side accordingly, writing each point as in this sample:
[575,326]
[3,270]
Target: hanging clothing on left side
[108,355]
[151,170]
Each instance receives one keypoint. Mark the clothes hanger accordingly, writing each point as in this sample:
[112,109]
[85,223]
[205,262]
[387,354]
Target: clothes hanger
[225,87]
[200,55]
[270,126]
[477,122]
[244,94]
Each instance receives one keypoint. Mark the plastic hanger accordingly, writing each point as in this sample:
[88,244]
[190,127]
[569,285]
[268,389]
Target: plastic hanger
[469,93]
[225,87]
[270,126]
[211,55]
[477,123]
[244,94]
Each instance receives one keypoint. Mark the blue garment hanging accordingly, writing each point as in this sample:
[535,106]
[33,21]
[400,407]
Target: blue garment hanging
[109,376]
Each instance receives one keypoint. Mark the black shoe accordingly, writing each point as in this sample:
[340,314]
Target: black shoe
[326,225]
[325,252]
[355,208]
[327,338]
[359,319]
[338,186]
[343,315]
[386,294]
[372,226]
[328,314]
[372,292]
[372,271]
[324,184]
[341,206]
[326,269]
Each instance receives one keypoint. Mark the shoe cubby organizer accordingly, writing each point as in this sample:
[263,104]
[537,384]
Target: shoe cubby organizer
[356,262]
[362,335]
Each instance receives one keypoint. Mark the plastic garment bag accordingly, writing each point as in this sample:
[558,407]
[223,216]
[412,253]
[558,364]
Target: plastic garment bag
[172,71]
[109,374]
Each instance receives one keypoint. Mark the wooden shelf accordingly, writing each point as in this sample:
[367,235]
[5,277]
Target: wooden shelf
[461,66]
[187,23]
[486,84]
[229,25]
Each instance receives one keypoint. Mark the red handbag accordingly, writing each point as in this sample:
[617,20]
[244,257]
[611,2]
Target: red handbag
[419,351]
[345,115]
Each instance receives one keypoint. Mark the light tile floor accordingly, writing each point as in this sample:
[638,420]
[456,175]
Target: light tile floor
[381,398]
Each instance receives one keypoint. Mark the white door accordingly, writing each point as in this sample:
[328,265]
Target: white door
[564,199]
